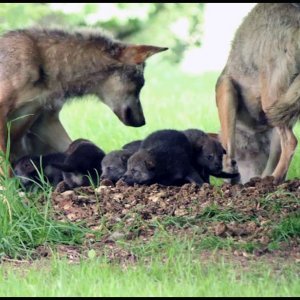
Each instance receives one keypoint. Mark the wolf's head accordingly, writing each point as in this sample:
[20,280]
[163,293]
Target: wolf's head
[210,155]
[140,168]
[114,165]
[120,89]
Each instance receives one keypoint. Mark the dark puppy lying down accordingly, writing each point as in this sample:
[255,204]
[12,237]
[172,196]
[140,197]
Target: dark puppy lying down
[82,166]
[32,169]
[168,157]
[114,164]
[164,157]
[207,155]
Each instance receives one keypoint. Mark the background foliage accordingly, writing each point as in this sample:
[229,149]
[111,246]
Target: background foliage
[175,25]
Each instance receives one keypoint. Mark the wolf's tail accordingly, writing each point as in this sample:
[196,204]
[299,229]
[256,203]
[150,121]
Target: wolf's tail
[286,111]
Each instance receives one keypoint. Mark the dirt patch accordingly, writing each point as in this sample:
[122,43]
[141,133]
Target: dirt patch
[252,220]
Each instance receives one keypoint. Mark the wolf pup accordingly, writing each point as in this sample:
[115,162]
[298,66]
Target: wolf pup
[41,68]
[164,157]
[207,154]
[114,164]
[30,169]
[258,89]
[82,166]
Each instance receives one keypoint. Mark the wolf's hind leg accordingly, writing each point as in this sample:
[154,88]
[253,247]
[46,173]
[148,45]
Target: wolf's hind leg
[274,154]
[283,114]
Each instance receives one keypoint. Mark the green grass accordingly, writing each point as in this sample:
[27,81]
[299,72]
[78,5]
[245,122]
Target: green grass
[288,227]
[178,275]
[25,224]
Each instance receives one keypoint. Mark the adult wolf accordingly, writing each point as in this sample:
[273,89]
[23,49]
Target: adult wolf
[40,69]
[259,88]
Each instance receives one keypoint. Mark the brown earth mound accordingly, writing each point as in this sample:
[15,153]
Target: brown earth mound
[253,218]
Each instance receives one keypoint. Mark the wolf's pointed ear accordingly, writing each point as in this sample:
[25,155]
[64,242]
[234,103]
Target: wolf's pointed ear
[137,54]
[224,151]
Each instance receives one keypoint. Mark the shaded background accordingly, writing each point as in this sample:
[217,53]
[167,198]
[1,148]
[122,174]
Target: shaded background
[192,31]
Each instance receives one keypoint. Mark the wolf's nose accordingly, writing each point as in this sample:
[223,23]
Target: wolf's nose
[133,117]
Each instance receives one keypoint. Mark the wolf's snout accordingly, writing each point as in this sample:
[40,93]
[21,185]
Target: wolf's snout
[127,179]
[131,117]
[128,114]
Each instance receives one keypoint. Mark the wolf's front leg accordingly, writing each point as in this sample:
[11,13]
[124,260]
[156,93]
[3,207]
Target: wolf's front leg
[50,134]
[227,103]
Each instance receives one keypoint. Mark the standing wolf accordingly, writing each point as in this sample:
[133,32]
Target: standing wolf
[259,88]
[40,69]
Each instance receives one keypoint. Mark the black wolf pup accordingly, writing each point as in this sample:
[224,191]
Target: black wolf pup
[207,155]
[30,169]
[82,166]
[164,157]
[114,164]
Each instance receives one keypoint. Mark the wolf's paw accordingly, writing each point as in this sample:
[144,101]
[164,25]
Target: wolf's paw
[230,166]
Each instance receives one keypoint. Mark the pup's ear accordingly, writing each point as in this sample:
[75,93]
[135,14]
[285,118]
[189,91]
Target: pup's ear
[136,54]
[224,151]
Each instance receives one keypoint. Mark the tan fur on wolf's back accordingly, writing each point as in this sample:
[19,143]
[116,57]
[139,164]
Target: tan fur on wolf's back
[259,88]
[40,69]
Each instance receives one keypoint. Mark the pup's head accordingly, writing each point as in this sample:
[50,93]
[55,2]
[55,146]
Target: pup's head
[210,155]
[120,89]
[25,169]
[114,165]
[82,164]
[140,168]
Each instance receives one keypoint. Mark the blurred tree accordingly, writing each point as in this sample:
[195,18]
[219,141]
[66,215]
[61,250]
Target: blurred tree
[175,25]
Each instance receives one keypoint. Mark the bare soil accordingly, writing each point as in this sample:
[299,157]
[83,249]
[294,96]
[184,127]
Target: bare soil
[248,216]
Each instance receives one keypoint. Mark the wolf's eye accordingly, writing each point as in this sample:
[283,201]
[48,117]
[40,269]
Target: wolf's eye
[210,157]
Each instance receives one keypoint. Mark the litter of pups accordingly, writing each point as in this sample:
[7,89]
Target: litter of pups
[167,157]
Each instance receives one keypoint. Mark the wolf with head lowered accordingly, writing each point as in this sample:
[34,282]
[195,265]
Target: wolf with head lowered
[40,69]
